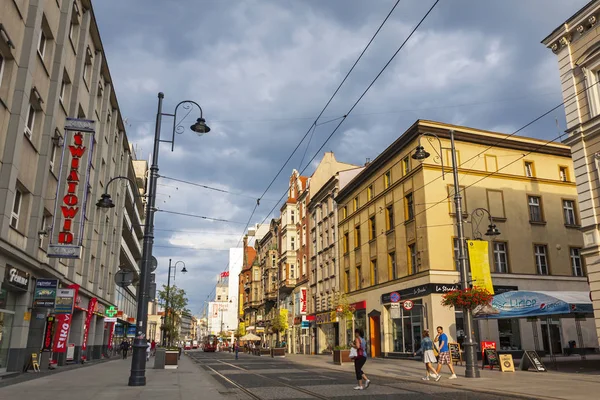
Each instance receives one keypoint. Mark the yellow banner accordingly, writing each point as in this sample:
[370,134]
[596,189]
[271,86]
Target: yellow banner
[242,328]
[284,313]
[479,258]
[241,306]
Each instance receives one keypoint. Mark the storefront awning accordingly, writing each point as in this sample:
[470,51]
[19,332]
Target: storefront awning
[522,304]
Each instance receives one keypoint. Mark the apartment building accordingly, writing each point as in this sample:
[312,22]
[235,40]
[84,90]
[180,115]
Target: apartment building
[249,285]
[576,45]
[52,67]
[397,236]
[329,176]
[267,255]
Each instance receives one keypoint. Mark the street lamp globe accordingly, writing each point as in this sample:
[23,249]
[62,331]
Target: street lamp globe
[492,230]
[200,127]
[183,270]
[420,153]
[105,202]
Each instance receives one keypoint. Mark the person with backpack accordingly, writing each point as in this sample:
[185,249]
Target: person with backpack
[360,344]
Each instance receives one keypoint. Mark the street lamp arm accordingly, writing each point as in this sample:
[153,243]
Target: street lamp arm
[477,216]
[116,178]
[178,126]
[432,136]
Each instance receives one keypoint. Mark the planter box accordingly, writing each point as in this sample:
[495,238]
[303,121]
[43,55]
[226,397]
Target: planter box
[341,356]
[265,352]
[171,359]
[278,352]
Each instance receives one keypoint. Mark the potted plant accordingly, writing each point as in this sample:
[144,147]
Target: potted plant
[468,298]
[278,325]
[341,354]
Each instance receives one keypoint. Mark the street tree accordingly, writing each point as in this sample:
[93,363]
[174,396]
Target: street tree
[174,302]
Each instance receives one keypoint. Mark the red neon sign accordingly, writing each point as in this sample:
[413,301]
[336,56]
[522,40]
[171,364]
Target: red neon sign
[70,200]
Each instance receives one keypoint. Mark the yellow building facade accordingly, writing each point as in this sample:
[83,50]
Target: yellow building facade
[576,45]
[397,235]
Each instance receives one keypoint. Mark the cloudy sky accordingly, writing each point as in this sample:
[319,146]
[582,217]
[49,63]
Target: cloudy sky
[262,70]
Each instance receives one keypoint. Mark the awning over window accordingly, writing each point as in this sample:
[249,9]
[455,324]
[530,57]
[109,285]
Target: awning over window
[521,304]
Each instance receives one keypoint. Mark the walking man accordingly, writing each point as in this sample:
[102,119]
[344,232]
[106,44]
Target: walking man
[444,356]
[124,348]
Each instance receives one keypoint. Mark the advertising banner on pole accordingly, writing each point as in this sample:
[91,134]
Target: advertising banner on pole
[479,259]
[48,333]
[72,190]
[303,301]
[111,333]
[45,293]
[63,326]
[86,327]
[65,299]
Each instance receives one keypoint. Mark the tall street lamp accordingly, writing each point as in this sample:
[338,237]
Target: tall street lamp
[183,271]
[137,376]
[470,345]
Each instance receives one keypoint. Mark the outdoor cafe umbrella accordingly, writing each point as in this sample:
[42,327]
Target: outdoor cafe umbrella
[250,336]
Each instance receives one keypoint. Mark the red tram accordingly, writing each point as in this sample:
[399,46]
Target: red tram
[210,343]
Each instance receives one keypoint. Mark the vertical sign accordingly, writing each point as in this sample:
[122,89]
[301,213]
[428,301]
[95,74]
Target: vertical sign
[479,259]
[64,301]
[72,189]
[111,332]
[303,305]
[86,327]
[63,325]
[48,332]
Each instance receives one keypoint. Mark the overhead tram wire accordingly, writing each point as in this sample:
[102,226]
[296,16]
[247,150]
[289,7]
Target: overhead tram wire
[360,97]
[331,98]
[209,187]
[199,216]
[314,124]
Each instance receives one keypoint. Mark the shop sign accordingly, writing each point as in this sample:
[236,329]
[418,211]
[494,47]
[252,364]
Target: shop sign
[420,291]
[305,324]
[16,278]
[112,311]
[109,319]
[69,208]
[64,301]
[99,309]
[325,318]
[111,332]
[48,333]
[86,327]
[131,331]
[303,302]
[359,305]
[45,293]
[63,324]
[119,330]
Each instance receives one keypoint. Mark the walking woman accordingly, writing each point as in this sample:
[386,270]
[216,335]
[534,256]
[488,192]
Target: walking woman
[428,356]
[361,348]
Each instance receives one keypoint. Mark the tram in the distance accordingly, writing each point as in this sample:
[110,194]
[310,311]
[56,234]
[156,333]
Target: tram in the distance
[210,343]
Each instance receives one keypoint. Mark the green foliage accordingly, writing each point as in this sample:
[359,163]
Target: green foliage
[279,323]
[341,348]
[177,302]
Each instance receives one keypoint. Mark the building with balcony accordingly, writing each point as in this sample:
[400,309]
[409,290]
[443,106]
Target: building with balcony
[396,234]
[53,66]
[267,255]
[248,287]
[576,46]
[329,177]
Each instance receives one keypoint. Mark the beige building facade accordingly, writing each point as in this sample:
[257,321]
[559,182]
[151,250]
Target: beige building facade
[397,235]
[576,45]
[53,66]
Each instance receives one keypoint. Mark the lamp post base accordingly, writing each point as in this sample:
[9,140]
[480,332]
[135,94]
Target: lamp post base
[137,376]
[471,370]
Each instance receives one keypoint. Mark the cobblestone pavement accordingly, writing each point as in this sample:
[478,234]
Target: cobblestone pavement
[279,378]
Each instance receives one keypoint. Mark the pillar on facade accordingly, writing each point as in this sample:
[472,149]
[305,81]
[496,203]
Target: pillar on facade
[76,333]
[17,348]
[99,347]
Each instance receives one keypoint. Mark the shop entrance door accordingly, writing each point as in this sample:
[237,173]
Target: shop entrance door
[555,337]
[375,335]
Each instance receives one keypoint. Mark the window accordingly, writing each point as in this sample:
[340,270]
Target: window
[509,334]
[409,207]
[392,273]
[456,253]
[30,121]
[372,228]
[42,44]
[541,259]
[292,217]
[535,209]
[86,68]
[345,243]
[529,169]
[569,212]
[576,263]
[1,68]
[413,266]
[374,274]
[405,165]
[389,218]
[61,95]
[347,282]
[369,193]
[355,204]
[71,31]
[387,179]
[563,174]
[53,155]
[293,243]
[45,225]
[358,278]
[357,237]
[500,257]
[344,212]
[14,219]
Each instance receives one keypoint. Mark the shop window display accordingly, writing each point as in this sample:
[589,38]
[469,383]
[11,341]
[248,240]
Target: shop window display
[510,334]
[407,329]
[6,320]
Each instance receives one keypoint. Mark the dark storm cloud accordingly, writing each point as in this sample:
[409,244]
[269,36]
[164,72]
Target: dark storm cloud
[262,70]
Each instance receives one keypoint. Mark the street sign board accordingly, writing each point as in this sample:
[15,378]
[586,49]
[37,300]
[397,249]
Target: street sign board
[394,297]
[124,278]
[408,305]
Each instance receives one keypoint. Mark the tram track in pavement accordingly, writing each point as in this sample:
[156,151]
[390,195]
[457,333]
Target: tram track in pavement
[382,388]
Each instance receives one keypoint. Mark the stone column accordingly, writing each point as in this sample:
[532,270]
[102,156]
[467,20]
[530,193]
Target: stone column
[99,338]
[17,352]
[76,334]
[91,339]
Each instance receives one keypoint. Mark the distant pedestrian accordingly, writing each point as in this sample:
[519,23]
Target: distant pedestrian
[124,348]
[236,346]
[360,345]
[153,348]
[148,350]
[428,356]
[444,356]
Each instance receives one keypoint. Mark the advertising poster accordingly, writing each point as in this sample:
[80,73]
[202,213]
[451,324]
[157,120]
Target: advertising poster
[63,325]
[64,301]
[45,293]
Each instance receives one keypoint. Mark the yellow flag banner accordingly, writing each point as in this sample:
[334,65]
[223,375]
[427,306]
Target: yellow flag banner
[479,259]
